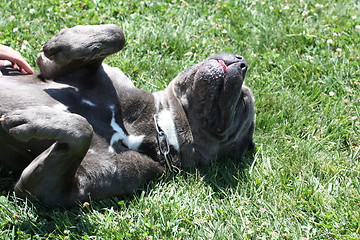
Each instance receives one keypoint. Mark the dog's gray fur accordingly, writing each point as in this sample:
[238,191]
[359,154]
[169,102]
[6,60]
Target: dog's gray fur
[84,131]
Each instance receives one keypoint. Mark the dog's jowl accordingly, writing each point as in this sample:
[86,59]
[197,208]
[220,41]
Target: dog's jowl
[80,129]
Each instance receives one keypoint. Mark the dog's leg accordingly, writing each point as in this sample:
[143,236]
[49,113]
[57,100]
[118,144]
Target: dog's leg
[74,48]
[101,176]
[50,176]
[61,175]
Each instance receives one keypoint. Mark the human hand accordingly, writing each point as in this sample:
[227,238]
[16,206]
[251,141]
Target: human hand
[17,61]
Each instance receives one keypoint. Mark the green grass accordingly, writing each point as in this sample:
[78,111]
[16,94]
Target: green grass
[303,182]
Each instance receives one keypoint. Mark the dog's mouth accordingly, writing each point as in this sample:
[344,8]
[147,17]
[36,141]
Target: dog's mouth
[223,65]
[227,60]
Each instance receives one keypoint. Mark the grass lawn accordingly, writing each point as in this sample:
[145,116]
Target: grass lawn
[302,182]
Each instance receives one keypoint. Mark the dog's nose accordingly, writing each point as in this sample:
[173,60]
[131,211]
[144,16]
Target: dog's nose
[229,58]
[243,63]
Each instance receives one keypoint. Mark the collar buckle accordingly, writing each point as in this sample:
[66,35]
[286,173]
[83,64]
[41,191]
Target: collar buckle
[164,146]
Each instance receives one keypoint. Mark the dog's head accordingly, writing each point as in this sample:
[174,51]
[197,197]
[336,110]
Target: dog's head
[213,98]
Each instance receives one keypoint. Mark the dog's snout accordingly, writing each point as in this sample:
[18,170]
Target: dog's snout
[228,59]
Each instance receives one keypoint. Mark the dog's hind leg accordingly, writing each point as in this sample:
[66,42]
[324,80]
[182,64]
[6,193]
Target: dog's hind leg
[68,171]
[77,47]
[101,176]
[50,176]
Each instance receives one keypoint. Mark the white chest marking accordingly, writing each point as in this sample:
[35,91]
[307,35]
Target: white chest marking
[88,102]
[132,142]
[166,123]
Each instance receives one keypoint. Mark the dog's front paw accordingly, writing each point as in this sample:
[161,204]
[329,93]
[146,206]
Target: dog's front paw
[17,125]
[84,42]
[45,123]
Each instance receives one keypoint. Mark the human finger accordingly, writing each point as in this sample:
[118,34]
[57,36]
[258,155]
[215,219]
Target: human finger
[19,62]
[7,53]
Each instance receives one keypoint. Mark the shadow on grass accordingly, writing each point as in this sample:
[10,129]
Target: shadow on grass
[227,173]
[7,180]
[34,218]
[22,218]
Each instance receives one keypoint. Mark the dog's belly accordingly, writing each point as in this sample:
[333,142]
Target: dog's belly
[21,91]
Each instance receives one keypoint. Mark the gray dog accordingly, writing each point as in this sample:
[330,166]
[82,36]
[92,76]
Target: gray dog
[83,130]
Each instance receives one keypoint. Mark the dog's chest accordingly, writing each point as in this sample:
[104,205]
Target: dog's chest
[112,117]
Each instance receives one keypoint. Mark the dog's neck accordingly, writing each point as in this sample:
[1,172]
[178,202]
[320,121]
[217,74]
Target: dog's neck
[174,119]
